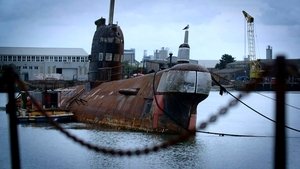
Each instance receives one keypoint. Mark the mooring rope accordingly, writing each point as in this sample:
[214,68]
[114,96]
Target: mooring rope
[223,89]
[295,107]
[227,80]
[291,128]
[230,134]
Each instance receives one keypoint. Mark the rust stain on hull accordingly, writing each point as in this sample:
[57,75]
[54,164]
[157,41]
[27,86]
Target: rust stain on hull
[130,104]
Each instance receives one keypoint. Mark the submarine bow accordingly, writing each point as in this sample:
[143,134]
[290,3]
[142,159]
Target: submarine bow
[165,101]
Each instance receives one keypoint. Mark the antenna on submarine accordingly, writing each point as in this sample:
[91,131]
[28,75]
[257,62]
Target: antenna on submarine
[111,12]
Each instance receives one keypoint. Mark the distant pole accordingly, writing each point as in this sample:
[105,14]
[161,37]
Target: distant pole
[280,142]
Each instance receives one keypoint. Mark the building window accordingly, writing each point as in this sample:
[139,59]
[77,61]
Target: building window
[59,70]
[33,58]
[55,59]
[73,59]
[9,58]
[64,59]
[77,59]
[51,58]
[0,58]
[86,59]
[36,67]
[108,57]
[69,58]
[100,56]
[19,58]
[4,58]
[23,58]
[28,59]
[24,67]
[14,58]
[116,57]
[30,67]
[60,59]
[46,58]
[37,58]
[42,58]
[82,59]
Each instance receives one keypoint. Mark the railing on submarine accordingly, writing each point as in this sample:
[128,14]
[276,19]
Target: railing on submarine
[190,84]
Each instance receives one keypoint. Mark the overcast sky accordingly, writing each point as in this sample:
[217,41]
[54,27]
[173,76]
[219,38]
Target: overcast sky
[216,26]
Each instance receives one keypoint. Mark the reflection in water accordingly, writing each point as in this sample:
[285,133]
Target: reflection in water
[179,156]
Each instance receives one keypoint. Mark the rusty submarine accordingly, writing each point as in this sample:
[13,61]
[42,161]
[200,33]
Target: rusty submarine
[163,101]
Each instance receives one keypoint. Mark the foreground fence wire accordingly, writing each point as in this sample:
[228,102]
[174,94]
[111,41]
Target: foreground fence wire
[10,78]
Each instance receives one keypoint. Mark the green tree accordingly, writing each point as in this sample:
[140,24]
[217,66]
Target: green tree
[224,61]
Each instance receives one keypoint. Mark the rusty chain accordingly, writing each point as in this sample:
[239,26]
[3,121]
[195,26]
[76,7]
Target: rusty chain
[143,151]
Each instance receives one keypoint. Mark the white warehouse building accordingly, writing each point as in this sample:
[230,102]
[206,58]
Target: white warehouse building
[34,63]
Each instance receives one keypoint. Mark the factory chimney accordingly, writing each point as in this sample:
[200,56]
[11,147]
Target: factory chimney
[269,52]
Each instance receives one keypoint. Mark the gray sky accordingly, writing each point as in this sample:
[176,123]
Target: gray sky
[216,26]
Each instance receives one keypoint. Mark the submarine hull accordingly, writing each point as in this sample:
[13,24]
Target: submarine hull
[147,103]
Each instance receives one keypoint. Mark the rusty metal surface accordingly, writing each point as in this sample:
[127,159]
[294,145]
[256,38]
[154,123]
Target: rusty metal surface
[108,105]
[189,67]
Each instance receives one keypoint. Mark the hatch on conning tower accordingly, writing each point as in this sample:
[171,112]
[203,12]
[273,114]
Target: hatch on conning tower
[107,50]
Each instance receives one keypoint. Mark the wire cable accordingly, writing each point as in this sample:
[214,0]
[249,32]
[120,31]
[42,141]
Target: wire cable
[291,128]
[295,107]
[230,134]
[223,89]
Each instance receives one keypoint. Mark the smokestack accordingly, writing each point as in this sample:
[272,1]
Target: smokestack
[186,37]
[111,12]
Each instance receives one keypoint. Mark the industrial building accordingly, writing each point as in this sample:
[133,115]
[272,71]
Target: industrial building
[129,56]
[162,59]
[35,63]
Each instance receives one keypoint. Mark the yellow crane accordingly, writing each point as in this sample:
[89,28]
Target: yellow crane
[255,68]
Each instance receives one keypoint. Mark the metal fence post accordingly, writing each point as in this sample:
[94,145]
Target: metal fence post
[9,77]
[280,142]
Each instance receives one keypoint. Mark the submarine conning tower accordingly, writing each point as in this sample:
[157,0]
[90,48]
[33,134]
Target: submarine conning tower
[107,51]
[184,49]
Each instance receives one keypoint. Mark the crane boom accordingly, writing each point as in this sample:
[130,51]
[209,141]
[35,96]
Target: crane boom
[255,68]
[250,35]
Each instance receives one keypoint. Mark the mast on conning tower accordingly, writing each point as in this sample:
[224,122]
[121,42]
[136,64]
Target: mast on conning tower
[111,12]
[184,49]
[107,51]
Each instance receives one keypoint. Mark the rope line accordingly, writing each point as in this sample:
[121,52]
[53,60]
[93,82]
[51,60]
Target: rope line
[230,134]
[223,89]
[295,107]
[291,128]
